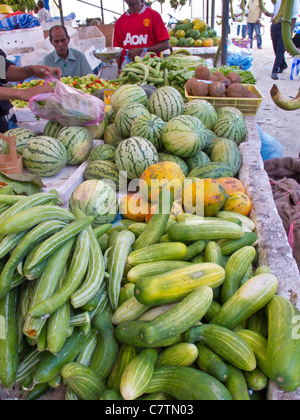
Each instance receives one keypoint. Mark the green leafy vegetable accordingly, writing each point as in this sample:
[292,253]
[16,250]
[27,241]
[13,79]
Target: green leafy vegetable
[23,184]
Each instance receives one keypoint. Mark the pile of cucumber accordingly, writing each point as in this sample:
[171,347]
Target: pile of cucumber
[172,309]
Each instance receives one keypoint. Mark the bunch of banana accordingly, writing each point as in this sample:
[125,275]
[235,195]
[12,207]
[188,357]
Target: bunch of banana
[22,5]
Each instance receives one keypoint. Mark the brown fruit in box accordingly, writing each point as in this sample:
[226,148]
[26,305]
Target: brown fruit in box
[196,88]
[227,82]
[217,77]
[236,90]
[202,73]
[234,78]
[216,89]
[252,95]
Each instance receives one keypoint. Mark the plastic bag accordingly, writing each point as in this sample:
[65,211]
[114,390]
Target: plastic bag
[68,106]
[271,148]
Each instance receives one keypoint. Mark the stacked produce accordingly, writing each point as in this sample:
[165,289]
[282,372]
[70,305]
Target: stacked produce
[194,33]
[171,304]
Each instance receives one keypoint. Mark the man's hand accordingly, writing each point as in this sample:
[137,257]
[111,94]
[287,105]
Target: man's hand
[42,72]
[134,52]
[26,94]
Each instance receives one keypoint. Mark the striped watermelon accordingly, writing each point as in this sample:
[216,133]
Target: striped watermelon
[126,117]
[52,128]
[45,156]
[128,94]
[214,141]
[111,136]
[227,152]
[214,170]
[229,110]
[97,199]
[231,127]
[135,155]
[149,127]
[3,147]
[103,152]
[23,135]
[184,136]
[97,131]
[199,159]
[78,143]
[103,170]
[210,136]
[202,110]
[165,157]
[166,103]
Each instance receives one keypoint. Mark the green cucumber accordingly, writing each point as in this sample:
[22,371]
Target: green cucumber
[111,395]
[125,355]
[258,322]
[210,363]
[130,310]
[158,252]
[237,385]
[231,246]
[187,384]
[194,249]
[246,221]
[178,319]
[213,253]
[181,354]
[256,380]
[151,269]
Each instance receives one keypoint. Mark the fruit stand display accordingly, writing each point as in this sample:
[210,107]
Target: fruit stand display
[193,291]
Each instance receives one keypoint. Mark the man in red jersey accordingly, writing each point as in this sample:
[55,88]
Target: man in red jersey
[139,30]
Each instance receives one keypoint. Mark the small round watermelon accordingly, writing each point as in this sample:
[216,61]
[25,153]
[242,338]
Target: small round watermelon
[149,127]
[96,198]
[23,135]
[202,110]
[45,156]
[103,152]
[78,143]
[126,117]
[52,128]
[128,94]
[135,155]
[166,103]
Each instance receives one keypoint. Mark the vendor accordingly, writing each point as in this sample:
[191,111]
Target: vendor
[14,74]
[71,62]
[42,13]
[139,30]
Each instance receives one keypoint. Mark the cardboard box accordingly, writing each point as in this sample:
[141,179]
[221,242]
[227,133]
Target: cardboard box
[108,32]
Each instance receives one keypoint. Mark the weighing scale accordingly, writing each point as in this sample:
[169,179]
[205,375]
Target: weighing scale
[108,56]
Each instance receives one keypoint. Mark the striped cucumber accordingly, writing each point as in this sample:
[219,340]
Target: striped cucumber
[187,384]
[181,354]
[248,300]
[118,258]
[83,381]
[158,252]
[178,319]
[75,276]
[246,221]
[126,292]
[210,363]
[137,375]
[151,269]
[175,285]
[36,272]
[87,351]
[194,249]
[225,343]
[156,311]
[28,365]
[237,385]
[258,322]
[213,253]
[130,310]
[9,358]
[230,246]
[125,355]
[9,242]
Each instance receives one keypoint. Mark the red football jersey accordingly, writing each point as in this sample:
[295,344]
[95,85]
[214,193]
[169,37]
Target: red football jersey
[139,30]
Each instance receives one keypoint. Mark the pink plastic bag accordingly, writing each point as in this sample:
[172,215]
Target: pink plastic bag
[68,106]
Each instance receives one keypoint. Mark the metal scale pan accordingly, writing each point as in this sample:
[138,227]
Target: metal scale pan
[108,56]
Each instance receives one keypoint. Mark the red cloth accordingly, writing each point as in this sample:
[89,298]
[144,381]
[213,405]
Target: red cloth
[139,30]
[19,13]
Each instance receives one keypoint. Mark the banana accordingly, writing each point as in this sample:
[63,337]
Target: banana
[284,103]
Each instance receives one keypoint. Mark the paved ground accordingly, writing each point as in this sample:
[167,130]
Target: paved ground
[280,124]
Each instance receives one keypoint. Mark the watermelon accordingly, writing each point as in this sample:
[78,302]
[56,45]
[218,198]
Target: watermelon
[199,159]
[149,127]
[103,152]
[184,136]
[208,150]
[128,94]
[111,115]
[97,199]
[135,155]
[231,127]
[45,156]
[52,128]
[202,110]
[229,110]
[105,171]
[210,135]
[214,170]
[165,157]
[78,143]
[126,117]
[97,131]
[166,103]
[22,136]
[4,148]
[111,135]
[227,152]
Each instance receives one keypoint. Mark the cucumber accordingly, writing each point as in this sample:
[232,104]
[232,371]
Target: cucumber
[283,353]
[130,310]
[210,363]
[187,384]
[125,355]
[230,246]
[158,252]
[258,322]
[83,381]
[9,358]
[248,300]
[237,385]
[246,221]
[194,249]
[178,319]
[137,375]
[111,395]
[213,254]
[225,343]
[263,269]
[126,292]
[175,285]
[151,269]
[182,354]
[211,230]
[256,380]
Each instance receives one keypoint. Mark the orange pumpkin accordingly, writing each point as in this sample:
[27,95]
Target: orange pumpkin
[158,177]
[176,209]
[239,202]
[231,185]
[204,197]
[133,207]
[209,42]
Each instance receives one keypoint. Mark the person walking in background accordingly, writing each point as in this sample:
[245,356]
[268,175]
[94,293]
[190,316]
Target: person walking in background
[42,13]
[241,25]
[276,34]
[254,22]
